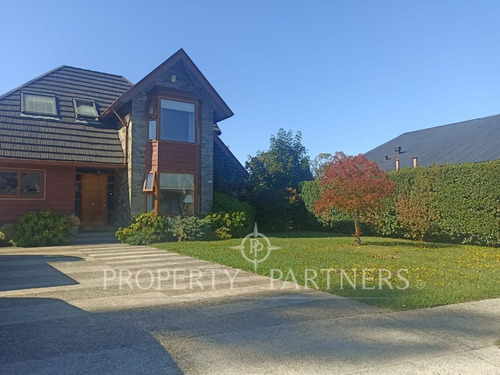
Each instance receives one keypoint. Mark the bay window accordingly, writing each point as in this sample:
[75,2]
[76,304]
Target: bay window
[176,194]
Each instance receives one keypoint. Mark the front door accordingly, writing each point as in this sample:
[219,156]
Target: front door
[93,216]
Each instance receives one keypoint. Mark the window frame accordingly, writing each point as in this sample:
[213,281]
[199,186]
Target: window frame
[84,117]
[19,195]
[24,111]
[157,116]
[195,194]
[154,183]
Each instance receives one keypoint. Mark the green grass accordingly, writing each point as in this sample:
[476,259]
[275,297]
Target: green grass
[438,274]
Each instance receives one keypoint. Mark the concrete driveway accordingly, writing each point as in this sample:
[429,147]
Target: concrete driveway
[133,309]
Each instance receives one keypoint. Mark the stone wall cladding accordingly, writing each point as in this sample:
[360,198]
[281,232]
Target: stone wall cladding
[138,138]
[189,84]
[207,158]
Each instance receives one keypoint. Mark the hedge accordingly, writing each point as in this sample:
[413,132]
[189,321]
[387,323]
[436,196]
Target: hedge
[455,203]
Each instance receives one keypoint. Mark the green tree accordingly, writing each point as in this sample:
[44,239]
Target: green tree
[275,176]
[319,164]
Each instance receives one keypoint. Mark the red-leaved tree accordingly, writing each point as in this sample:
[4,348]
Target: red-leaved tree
[355,186]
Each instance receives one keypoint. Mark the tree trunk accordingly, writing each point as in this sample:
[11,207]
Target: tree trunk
[357,228]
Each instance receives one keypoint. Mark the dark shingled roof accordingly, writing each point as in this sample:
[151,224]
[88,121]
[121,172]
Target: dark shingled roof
[64,138]
[469,141]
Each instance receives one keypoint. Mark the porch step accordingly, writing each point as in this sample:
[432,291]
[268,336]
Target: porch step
[86,238]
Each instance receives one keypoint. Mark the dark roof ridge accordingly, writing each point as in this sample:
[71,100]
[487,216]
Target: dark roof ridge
[95,71]
[441,126]
[31,81]
[53,71]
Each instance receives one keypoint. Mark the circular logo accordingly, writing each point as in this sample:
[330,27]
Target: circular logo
[255,247]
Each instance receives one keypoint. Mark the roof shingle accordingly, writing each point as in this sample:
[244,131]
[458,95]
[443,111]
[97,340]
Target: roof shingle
[64,138]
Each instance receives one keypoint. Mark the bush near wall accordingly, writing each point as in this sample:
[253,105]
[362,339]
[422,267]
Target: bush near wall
[145,229]
[42,228]
[6,232]
[456,203]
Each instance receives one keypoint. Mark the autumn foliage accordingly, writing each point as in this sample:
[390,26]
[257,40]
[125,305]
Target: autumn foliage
[354,185]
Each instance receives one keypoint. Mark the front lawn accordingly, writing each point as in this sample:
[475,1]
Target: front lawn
[437,274]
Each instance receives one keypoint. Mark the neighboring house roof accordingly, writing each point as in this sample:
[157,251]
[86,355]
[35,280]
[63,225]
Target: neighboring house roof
[64,138]
[221,109]
[469,141]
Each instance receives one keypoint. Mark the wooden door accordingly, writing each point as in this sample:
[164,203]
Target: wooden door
[93,216]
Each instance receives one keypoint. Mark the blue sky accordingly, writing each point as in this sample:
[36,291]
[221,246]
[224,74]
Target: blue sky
[349,74]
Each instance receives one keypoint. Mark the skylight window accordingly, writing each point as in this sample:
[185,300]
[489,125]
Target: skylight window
[38,104]
[85,109]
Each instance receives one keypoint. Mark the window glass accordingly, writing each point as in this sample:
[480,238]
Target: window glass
[8,183]
[152,130]
[177,121]
[148,185]
[40,104]
[30,184]
[85,108]
[150,203]
[176,194]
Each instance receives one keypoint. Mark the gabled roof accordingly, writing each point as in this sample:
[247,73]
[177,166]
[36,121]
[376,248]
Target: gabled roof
[469,141]
[221,110]
[64,138]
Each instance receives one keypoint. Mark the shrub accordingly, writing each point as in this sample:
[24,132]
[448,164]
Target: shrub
[6,232]
[145,229]
[230,217]
[41,228]
[225,204]
[190,228]
[414,209]
[74,221]
[229,225]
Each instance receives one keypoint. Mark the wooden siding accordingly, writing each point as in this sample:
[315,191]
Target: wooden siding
[59,194]
[177,157]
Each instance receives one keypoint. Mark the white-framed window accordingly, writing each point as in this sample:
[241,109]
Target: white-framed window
[85,109]
[177,121]
[176,194]
[38,104]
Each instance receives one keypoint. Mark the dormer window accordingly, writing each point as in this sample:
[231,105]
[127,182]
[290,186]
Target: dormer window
[38,104]
[85,109]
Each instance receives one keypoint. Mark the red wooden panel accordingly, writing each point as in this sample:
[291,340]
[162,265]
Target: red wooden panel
[177,157]
[59,195]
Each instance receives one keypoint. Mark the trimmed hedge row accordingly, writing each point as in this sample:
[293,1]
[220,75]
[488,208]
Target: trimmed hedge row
[456,203]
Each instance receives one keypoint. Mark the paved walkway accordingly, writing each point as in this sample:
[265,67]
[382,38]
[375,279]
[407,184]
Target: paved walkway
[107,309]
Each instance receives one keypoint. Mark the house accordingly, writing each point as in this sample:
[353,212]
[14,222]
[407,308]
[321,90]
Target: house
[472,141]
[96,145]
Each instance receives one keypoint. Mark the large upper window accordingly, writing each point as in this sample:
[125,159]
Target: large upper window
[20,184]
[177,121]
[176,195]
[85,109]
[38,104]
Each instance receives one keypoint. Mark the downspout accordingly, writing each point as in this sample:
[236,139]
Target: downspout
[126,136]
